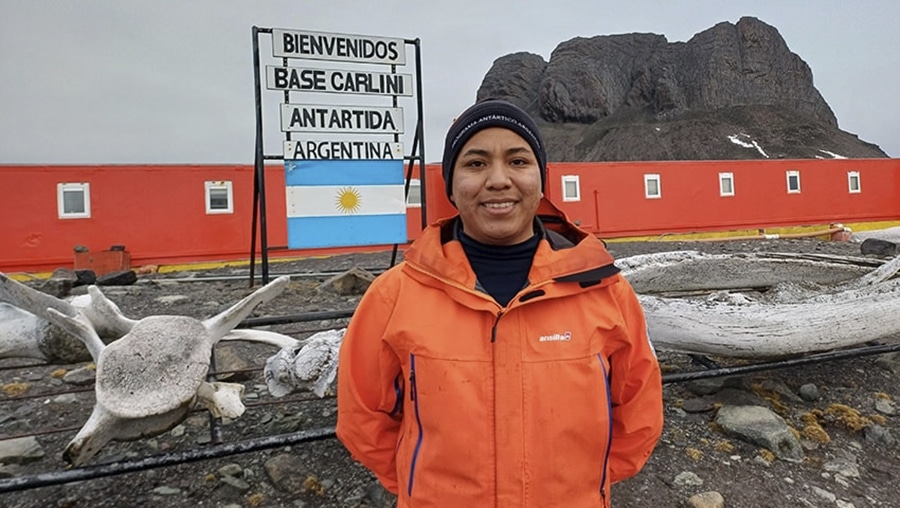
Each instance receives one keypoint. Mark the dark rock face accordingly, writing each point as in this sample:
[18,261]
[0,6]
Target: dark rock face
[513,77]
[734,91]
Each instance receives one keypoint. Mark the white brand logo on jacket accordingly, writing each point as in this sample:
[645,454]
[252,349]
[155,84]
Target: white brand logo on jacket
[556,337]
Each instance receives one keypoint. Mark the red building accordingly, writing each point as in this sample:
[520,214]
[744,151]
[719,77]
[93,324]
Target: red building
[166,214]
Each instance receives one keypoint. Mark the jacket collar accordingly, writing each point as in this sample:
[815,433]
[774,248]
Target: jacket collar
[565,253]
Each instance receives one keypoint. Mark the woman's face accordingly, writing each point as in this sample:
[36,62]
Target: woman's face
[496,187]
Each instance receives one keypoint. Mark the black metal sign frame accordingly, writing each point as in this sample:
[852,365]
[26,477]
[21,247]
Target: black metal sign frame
[258,221]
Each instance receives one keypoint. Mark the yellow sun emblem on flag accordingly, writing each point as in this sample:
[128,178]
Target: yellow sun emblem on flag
[348,200]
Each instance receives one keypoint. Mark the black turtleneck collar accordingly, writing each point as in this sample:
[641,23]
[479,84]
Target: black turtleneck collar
[501,270]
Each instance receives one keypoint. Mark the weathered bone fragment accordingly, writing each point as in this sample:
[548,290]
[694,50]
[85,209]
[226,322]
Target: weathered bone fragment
[686,271]
[310,365]
[222,399]
[793,316]
[22,335]
[25,330]
[263,337]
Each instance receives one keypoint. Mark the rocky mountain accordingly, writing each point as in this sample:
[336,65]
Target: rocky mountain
[734,91]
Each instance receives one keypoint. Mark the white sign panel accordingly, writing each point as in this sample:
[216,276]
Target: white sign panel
[337,47]
[303,79]
[321,118]
[342,150]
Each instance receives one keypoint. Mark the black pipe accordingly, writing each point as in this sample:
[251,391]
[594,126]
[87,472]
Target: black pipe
[793,362]
[295,318]
[162,460]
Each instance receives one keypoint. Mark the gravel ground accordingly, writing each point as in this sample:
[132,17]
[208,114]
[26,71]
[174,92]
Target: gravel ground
[694,456]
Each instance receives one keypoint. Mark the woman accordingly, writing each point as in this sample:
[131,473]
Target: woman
[505,362]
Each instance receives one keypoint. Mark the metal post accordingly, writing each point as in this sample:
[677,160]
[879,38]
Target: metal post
[420,129]
[258,150]
[259,164]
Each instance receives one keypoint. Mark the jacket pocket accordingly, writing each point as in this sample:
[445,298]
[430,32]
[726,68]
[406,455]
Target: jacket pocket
[567,431]
[447,457]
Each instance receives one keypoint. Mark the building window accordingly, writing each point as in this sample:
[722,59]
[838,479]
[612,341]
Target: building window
[571,188]
[414,196]
[726,184]
[73,200]
[651,186]
[219,198]
[793,182]
[853,181]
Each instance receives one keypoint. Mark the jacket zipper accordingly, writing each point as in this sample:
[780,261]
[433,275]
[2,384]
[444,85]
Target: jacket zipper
[610,429]
[414,397]
[494,328]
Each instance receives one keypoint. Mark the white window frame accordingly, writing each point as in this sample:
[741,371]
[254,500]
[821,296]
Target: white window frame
[226,185]
[62,189]
[723,177]
[854,175]
[652,177]
[788,175]
[566,179]
[414,183]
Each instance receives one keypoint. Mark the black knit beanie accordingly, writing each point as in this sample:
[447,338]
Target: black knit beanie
[491,113]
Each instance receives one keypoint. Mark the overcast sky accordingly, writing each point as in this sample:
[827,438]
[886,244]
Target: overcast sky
[165,81]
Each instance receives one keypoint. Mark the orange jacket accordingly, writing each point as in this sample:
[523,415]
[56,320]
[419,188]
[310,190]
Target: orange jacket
[454,401]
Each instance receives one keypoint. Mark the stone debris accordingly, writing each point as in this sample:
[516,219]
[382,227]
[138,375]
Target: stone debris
[760,426]
[287,472]
[711,499]
[172,299]
[119,278]
[354,281]
[885,406]
[82,376]
[810,392]
[228,359]
[687,479]
[879,437]
[20,450]
[878,247]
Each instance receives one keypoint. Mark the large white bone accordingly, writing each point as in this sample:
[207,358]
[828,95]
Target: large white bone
[148,380]
[851,304]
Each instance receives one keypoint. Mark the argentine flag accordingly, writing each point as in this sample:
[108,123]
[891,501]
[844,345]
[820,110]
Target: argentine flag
[341,203]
